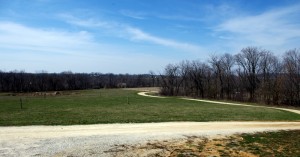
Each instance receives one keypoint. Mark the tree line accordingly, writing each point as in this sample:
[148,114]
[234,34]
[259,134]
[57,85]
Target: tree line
[20,81]
[254,75]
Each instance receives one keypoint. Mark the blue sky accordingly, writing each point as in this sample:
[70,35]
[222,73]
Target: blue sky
[135,36]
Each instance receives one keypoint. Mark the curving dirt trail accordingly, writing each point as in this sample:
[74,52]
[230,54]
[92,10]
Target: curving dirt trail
[218,102]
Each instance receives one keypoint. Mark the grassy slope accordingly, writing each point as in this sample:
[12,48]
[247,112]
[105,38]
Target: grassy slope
[110,106]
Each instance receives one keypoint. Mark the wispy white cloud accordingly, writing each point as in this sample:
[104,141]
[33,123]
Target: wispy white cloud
[273,28]
[132,14]
[132,33]
[31,49]
[220,11]
[17,36]
[208,13]
[90,22]
[141,15]
[181,18]
[139,35]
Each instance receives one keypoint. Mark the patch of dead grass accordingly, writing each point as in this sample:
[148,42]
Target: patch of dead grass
[193,146]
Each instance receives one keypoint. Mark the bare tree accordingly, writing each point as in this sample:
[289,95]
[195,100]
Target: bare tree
[276,80]
[217,65]
[169,79]
[292,80]
[198,75]
[270,69]
[183,82]
[1,80]
[248,62]
[229,78]
[153,78]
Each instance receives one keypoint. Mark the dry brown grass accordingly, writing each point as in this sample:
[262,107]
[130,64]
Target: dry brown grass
[282,143]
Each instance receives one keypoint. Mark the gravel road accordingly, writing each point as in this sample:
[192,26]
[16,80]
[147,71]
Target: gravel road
[97,140]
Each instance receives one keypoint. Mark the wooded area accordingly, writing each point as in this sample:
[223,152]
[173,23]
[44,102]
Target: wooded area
[254,75]
[19,81]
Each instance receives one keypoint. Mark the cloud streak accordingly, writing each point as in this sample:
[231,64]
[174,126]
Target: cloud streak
[55,50]
[20,37]
[84,23]
[131,33]
[138,35]
[273,28]
[132,14]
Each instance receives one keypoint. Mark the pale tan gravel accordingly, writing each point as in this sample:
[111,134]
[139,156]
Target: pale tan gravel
[96,140]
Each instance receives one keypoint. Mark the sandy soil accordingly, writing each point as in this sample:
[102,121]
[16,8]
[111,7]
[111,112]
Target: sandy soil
[99,140]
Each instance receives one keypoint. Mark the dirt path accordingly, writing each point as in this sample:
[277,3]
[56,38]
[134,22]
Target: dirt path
[147,95]
[98,140]
[218,102]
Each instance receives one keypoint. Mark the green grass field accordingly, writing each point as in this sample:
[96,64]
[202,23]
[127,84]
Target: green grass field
[111,106]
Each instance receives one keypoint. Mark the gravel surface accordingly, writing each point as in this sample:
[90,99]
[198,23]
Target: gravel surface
[97,140]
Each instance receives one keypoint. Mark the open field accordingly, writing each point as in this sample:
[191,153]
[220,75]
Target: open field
[121,106]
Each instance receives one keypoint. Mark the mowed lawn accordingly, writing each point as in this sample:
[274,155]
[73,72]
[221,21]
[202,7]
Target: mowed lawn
[122,106]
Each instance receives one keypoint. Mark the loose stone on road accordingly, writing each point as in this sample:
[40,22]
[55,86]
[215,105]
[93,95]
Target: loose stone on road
[96,140]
